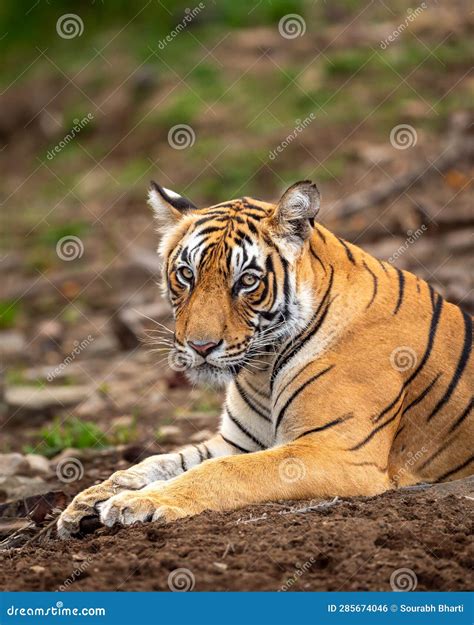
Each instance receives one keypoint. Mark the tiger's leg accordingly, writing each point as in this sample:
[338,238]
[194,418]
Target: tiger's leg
[296,470]
[153,469]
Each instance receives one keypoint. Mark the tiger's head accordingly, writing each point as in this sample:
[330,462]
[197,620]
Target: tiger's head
[234,277]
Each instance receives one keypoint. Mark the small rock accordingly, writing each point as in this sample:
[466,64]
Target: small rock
[13,464]
[12,344]
[38,465]
[29,401]
[50,335]
[19,487]
[126,421]
[220,566]
[92,406]
[170,433]
[201,436]
[36,568]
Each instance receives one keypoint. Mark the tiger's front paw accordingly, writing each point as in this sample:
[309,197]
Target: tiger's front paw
[86,503]
[145,505]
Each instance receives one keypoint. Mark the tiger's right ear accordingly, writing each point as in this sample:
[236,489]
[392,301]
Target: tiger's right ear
[169,207]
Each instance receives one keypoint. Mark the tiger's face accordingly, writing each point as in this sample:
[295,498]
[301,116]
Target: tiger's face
[231,274]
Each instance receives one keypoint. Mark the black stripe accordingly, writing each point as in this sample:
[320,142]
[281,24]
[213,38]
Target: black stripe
[389,407]
[423,394]
[209,230]
[462,416]
[401,288]
[243,429]
[453,471]
[313,253]
[437,308]
[399,431]
[297,392]
[320,235]
[255,405]
[298,342]
[229,442]
[435,455]
[326,426]
[350,256]
[288,384]
[381,263]
[375,431]
[465,353]
[183,464]
[256,390]
[201,455]
[208,453]
[374,278]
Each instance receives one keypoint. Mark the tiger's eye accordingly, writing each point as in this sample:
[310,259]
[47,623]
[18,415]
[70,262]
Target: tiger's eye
[249,279]
[186,273]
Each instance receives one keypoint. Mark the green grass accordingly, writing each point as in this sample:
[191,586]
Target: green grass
[9,313]
[73,433]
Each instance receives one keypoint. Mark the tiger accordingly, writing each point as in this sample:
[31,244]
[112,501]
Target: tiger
[345,376]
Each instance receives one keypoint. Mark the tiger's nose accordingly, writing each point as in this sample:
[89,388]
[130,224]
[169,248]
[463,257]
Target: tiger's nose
[203,348]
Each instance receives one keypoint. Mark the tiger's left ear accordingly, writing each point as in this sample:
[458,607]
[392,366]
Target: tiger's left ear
[169,207]
[296,211]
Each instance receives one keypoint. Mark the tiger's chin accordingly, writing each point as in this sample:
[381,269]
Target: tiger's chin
[207,374]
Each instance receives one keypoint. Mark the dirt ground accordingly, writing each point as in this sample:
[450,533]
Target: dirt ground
[342,545]
[107,299]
